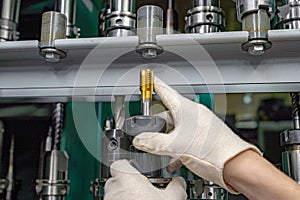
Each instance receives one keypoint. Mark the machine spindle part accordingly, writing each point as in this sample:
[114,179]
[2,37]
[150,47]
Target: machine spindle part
[148,164]
[290,140]
[256,16]
[54,183]
[115,146]
[146,88]
[171,18]
[213,191]
[9,19]
[289,15]
[295,107]
[149,25]
[205,17]
[57,123]
[196,3]
[120,19]
[53,27]
[68,8]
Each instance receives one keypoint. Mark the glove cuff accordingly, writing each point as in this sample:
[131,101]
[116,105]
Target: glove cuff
[213,171]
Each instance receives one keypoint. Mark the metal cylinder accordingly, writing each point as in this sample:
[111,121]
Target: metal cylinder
[115,146]
[289,15]
[120,19]
[53,28]
[205,17]
[256,16]
[196,3]
[68,8]
[245,7]
[213,192]
[122,5]
[54,183]
[171,18]
[149,25]
[9,20]
[290,140]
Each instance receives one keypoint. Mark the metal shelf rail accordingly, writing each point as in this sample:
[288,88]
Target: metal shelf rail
[97,68]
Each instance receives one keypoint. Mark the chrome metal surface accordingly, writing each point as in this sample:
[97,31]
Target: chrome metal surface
[257,24]
[120,19]
[196,3]
[149,25]
[205,19]
[54,185]
[212,191]
[53,28]
[115,146]
[256,16]
[123,5]
[289,15]
[9,19]
[68,8]
[120,24]
[244,7]
[291,164]
[256,47]
[146,107]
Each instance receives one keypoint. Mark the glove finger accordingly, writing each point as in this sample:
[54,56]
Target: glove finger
[167,116]
[169,97]
[176,189]
[150,142]
[120,167]
[109,185]
[174,164]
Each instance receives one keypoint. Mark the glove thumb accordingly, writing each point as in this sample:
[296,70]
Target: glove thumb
[150,142]
[176,189]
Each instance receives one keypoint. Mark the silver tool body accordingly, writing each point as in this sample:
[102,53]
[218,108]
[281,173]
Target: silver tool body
[288,16]
[290,140]
[9,19]
[256,16]
[68,8]
[53,182]
[149,25]
[119,19]
[54,26]
[205,17]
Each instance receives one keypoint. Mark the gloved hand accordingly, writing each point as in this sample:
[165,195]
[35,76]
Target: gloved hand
[128,184]
[200,140]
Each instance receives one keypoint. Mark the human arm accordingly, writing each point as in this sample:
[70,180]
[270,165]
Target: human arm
[256,178]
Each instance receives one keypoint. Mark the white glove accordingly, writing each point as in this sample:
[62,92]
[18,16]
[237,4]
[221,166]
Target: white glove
[200,140]
[128,184]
